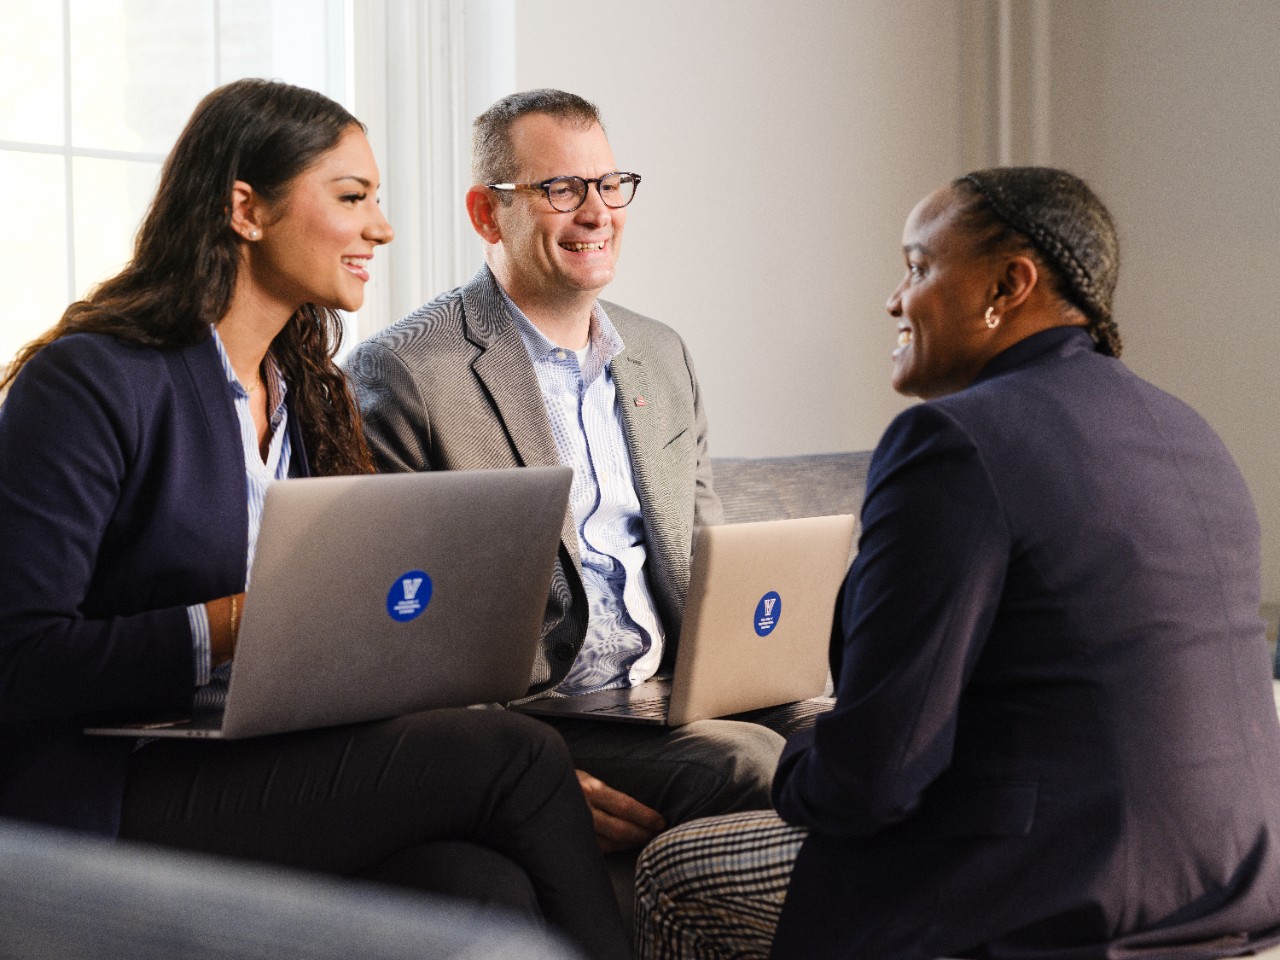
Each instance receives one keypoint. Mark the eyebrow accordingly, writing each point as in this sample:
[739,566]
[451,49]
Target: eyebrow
[915,248]
[350,176]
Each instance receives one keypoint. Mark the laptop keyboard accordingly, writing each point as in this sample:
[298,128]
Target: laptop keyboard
[651,708]
[788,718]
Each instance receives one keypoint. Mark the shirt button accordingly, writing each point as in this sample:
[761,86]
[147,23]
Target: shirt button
[563,650]
[561,355]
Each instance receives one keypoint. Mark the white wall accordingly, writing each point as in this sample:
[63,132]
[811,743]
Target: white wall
[827,119]
[1173,112]
[781,146]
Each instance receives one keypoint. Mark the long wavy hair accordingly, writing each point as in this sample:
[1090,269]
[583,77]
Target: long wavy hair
[186,256]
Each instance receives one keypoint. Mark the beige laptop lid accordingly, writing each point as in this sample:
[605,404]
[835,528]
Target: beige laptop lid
[758,620]
[377,596]
[757,624]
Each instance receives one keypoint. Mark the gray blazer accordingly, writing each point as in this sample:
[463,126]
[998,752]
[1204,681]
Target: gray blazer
[451,387]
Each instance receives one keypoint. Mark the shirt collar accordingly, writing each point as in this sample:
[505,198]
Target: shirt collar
[603,338]
[272,379]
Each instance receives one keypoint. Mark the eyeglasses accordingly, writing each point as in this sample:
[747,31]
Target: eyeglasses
[567,194]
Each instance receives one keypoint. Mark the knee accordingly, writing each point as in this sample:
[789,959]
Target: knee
[746,757]
[674,860]
[494,734]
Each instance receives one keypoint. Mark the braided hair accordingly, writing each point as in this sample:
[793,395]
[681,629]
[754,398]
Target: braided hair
[1062,222]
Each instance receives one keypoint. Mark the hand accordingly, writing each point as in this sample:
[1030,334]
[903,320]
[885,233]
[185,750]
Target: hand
[621,822]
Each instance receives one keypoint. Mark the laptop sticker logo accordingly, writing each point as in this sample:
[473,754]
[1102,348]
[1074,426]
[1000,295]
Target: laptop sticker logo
[768,613]
[409,596]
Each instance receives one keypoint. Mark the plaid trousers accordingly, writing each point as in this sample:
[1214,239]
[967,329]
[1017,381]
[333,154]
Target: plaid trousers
[712,889]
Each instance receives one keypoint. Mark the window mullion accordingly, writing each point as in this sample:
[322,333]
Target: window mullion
[68,176]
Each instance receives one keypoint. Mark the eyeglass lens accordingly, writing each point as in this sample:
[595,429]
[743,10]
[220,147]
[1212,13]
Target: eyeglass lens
[569,193]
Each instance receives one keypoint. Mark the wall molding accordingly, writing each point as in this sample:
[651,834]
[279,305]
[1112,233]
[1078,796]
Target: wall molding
[1007,54]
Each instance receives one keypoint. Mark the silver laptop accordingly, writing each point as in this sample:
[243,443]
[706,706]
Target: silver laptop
[377,596]
[757,623]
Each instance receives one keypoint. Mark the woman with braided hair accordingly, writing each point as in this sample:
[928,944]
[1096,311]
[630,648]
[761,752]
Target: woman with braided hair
[1053,735]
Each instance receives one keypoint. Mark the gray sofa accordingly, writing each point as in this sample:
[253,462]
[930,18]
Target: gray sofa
[778,488]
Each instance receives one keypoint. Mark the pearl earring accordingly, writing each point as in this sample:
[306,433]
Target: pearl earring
[991,318]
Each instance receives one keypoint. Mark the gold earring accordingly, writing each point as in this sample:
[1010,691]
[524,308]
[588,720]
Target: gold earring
[991,318]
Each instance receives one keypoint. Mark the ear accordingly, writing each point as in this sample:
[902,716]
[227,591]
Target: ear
[248,211]
[1018,277]
[482,210]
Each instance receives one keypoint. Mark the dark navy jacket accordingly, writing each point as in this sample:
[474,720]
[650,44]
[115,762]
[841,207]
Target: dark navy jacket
[122,501]
[1055,733]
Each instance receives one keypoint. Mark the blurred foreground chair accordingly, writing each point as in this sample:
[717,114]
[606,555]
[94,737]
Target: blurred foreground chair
[63,895]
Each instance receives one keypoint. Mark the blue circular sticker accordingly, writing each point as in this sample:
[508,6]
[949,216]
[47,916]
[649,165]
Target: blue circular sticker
[409,596]
[768,613]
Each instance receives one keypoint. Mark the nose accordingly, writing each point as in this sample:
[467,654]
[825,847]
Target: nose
[594,209]
[378,229]
[894,303]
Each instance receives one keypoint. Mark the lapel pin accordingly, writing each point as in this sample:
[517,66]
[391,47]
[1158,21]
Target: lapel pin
[641,401]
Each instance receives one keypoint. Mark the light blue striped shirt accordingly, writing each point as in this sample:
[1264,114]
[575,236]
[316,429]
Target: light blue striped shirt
[624,635]
[212,684]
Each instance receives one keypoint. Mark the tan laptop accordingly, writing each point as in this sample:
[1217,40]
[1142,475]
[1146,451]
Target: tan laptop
[377,596]
[757,623]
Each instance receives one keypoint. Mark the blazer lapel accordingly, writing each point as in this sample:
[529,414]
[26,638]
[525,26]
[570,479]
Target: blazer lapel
[504,367]
[643,422]
[208,385]
[207,389]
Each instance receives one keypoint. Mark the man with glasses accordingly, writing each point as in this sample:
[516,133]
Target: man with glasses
[524,366]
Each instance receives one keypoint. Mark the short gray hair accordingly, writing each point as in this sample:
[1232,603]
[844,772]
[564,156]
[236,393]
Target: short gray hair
[493,156]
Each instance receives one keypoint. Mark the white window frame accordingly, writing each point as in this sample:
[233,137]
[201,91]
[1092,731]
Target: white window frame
[416,72]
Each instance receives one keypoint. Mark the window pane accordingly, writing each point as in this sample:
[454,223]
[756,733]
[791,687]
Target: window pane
[110,197]
[36,289]
[31,73]
[299,41]
[138,68]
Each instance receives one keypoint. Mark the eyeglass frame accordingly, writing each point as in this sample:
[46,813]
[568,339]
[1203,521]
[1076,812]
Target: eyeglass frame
[545,187]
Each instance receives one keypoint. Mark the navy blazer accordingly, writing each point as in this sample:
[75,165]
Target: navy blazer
[122,501]
[1054,732]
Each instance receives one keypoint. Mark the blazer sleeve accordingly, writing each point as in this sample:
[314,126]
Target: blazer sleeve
[68,433]
[395,417]
[911,621]
[706,505]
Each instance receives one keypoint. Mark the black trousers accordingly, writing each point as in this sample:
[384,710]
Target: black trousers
[481,804]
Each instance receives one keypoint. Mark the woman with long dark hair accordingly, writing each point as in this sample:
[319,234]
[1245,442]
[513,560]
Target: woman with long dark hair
[136,441]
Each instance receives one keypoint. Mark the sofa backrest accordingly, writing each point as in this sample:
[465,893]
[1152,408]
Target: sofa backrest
[778,488]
